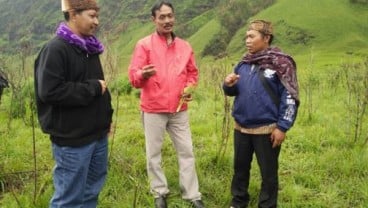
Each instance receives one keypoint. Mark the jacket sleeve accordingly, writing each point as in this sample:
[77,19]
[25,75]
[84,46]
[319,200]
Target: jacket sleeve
[287,111]
[138,60]
[52,86]
[232,91]
[192,71]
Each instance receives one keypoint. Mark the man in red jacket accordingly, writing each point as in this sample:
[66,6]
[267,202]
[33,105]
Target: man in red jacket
[163,66]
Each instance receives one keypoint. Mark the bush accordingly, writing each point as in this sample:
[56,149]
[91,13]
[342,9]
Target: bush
[121,86]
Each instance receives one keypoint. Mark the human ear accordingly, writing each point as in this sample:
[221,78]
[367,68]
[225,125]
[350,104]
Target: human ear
[267,38]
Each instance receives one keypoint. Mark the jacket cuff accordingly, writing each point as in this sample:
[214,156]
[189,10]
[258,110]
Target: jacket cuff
[282,129]
[96,87]
[139,75]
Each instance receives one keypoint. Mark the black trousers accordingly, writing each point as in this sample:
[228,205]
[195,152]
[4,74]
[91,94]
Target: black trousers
[267,157]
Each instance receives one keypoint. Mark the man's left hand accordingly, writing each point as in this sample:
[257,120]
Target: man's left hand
[277,137]
[187,97]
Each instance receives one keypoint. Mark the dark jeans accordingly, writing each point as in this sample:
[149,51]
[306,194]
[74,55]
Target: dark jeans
[267,158]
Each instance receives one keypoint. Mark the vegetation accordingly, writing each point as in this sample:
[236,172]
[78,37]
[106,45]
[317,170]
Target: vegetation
[324,160]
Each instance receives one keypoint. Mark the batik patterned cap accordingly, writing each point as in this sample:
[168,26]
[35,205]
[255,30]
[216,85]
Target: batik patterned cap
[67,5]
[261,26]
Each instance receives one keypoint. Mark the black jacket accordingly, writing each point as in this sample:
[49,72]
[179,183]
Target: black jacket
[70,104]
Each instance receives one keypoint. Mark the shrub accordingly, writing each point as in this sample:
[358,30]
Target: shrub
[121,86]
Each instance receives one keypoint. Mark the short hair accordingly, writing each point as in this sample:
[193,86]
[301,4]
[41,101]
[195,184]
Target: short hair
[157,6]
[262,26]
[67,14]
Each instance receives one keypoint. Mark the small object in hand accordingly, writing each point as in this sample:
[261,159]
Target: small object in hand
[186,95]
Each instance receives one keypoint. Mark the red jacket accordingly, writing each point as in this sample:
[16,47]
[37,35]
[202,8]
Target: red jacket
[175,69]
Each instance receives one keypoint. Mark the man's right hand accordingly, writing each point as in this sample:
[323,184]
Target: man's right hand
[103,86]
[148,71]
[231,79]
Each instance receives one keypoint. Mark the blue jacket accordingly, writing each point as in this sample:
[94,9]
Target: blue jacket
[253,106]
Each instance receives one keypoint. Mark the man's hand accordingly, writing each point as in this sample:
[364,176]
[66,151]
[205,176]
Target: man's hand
[148,71]
[277,137]
[187,93]
[103,86]
[187,97]
[231,79]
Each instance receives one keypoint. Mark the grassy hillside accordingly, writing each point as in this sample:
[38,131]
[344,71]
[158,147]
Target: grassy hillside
[35,21]
[205,26]
[328,29]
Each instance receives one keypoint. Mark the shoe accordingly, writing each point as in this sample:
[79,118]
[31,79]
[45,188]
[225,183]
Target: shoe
[232,206]
[197,204]
[160,202]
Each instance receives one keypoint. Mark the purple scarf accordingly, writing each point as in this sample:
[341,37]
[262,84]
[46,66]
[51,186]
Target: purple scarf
[283,64]
[90,44]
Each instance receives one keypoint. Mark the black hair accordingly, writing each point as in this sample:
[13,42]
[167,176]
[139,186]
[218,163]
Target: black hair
[67,14]
[158,5]
[271,39]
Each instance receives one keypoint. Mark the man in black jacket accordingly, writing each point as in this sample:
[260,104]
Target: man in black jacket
[74,106]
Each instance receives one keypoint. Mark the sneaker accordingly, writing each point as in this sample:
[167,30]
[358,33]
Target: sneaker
[160,202]
[197,204]
[232,206]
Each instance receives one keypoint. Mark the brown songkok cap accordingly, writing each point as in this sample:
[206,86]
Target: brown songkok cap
[67,5]
[261,26]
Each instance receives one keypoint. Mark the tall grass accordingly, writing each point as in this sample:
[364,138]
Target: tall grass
[320,166]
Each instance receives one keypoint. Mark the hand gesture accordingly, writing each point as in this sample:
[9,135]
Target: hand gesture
[148,71]
[231,79]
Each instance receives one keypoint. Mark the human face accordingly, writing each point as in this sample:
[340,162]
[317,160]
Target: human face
[256,41]
[164,20]
[85,22]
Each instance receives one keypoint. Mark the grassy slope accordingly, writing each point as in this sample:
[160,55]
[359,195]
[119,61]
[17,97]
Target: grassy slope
[201,37]
[338,28]
[126,41]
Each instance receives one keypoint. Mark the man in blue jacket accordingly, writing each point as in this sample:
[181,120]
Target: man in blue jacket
[265,87]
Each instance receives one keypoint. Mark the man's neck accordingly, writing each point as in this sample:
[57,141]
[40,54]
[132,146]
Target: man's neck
[169,39]
[168,36]
[73,29]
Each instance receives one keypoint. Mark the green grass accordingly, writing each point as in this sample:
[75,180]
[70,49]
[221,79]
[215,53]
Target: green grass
[337,27]
[320,166]
[198,41]
[330,20]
